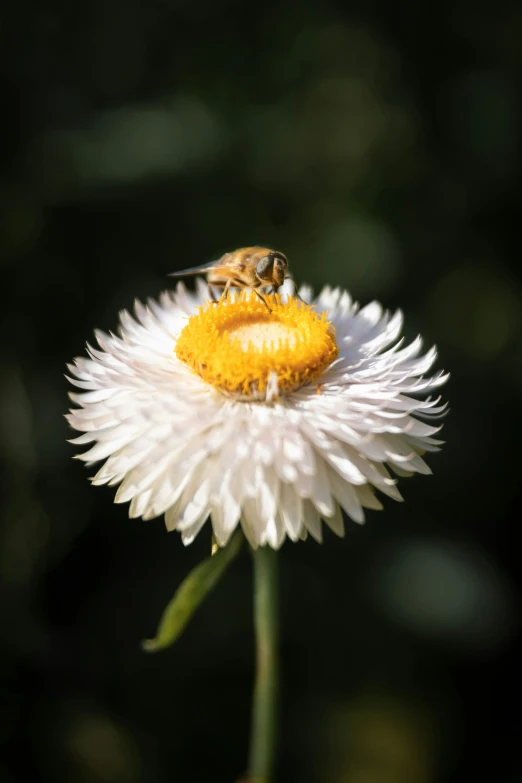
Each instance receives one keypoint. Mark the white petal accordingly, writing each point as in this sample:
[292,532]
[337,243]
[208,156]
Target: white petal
[252,523]
[367,498]
[273,533]
[312,521]
[336,522]
[291,510]
[347,497]
[321,496]
[268,494]
[189,534]
[228,508]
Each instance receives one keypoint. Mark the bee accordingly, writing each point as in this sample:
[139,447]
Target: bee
[248,267]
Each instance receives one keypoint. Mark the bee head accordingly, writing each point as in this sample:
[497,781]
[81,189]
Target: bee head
[272,269]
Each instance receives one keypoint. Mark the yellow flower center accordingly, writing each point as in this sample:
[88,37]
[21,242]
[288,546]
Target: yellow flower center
[240,348]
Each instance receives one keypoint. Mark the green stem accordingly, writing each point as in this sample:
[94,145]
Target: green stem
[264,728]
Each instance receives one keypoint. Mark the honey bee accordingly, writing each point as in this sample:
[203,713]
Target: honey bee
[248,267]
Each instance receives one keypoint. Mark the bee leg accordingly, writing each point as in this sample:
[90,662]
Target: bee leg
[225,290]
[260,295]
[211,294]
[296,292]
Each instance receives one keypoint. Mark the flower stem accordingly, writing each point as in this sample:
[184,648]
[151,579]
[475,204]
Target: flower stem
[264,711]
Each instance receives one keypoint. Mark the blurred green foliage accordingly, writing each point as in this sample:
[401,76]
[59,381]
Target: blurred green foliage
[378,146]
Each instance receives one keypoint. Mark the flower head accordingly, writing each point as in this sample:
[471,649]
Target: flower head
[271,419]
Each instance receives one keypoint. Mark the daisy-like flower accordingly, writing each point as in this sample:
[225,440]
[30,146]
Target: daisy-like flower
[271,420]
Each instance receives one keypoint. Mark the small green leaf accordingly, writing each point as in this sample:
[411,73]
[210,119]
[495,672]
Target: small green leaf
[190,594]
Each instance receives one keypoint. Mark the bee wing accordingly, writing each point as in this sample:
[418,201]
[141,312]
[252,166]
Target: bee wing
[203,269]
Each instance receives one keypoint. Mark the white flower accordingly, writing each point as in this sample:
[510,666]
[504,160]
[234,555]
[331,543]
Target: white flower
[272,421]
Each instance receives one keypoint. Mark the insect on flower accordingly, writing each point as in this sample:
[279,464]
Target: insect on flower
[248,267]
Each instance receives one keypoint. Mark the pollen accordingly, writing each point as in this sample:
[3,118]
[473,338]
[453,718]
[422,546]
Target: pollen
[242,349]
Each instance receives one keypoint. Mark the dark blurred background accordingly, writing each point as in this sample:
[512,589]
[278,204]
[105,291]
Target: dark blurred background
[378,145]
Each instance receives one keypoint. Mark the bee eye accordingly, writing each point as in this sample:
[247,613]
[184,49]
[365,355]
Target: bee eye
[265,266]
